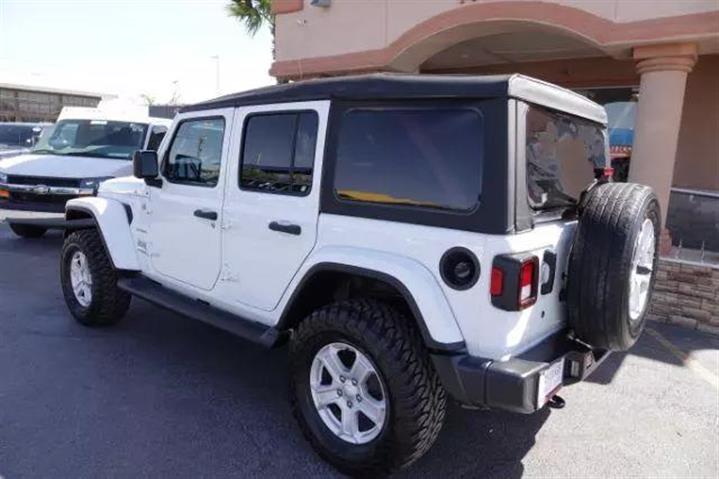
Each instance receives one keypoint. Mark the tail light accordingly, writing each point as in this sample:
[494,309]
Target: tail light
[528,282]
[514,281]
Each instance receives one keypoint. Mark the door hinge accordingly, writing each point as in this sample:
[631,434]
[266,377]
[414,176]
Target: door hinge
[227,275]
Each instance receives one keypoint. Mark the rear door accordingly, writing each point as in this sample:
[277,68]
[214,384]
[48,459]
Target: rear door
[272,199]
[186,210]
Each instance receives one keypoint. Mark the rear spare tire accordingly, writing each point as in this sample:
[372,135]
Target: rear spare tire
[612,265]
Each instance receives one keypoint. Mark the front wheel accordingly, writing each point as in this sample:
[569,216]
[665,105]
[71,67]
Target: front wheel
[28,231]
[363,388]
[89,281]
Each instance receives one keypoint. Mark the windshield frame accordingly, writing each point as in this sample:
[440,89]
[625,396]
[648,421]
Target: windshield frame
[44,147]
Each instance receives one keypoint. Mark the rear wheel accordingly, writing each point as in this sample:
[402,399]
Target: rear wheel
[27,231]
[89,281]
[363,389]
[612,265]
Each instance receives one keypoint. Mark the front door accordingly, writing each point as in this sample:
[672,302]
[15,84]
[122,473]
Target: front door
[272,202]
[186,211]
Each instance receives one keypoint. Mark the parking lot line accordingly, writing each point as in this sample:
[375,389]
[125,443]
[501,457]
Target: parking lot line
[687,360]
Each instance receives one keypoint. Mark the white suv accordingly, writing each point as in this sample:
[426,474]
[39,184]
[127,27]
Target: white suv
[411,237]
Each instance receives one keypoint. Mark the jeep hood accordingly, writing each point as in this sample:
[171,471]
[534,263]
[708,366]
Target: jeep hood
[65,166]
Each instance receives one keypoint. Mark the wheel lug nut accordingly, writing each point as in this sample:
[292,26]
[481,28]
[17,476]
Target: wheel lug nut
[342,379]
[354,382]
[349,403]
[359,398]
[339,392]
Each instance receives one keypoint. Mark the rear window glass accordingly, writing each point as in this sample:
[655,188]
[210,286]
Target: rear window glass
[428,158]
[279,152]
[564,154]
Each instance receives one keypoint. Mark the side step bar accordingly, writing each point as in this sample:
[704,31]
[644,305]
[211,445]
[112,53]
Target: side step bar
[157,294]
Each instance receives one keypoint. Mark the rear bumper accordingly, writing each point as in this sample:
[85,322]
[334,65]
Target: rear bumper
[513,385]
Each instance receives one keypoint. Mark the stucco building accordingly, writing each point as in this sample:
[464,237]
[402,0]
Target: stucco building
[33,103]
[654,64]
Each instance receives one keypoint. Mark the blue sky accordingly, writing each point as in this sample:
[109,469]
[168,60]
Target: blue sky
[131,47]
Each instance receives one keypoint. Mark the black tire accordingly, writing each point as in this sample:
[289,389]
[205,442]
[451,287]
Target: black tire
[417,400]
[28,231]
[108,304]
[601,263]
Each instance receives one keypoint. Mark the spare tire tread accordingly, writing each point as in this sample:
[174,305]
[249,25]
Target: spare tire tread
[600,262]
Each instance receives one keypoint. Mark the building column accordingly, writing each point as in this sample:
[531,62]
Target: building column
[663,70]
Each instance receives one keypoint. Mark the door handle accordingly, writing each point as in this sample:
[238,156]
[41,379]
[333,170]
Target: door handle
[206,214]
[286,228]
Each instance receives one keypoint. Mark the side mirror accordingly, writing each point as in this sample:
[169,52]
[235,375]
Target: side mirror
[145,166]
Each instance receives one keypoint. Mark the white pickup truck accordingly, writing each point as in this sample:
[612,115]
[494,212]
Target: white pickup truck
[85,147]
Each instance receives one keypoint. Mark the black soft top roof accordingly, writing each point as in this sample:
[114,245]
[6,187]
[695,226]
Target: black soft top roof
[377,86]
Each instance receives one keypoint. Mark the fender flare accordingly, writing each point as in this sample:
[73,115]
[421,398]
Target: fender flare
[112,219]
[428,331]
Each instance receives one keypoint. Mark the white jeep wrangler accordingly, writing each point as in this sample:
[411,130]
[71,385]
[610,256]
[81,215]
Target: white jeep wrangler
[412,237]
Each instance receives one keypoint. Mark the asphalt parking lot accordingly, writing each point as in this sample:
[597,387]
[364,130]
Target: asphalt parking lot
[163,396]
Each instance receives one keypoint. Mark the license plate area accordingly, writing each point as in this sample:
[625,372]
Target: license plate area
[550,380]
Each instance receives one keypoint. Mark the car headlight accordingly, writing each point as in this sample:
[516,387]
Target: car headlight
[93,183]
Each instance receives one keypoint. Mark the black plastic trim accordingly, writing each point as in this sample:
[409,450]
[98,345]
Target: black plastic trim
[550,259]
[447,279]
[512,385]
[159,295]
[285,318]
[128,213]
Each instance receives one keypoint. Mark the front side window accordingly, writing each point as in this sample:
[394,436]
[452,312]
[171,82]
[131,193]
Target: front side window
[195,155]
[428,158]
[115,140]
[564,154]
[278,152]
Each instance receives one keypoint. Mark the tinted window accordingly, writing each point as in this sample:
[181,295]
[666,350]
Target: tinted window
[278,152]
[196,152]
[156,136]
[563,154]
[427,158]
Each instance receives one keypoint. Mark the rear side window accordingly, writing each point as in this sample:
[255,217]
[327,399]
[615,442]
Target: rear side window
[429,158]
[564,154]
[195,155]
[278,152]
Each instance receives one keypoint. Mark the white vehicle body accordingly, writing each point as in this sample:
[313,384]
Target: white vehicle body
[252,271]
[411,237]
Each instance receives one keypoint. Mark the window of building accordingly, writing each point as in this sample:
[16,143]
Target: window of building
[195,155]
[278,152]
[429,158]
